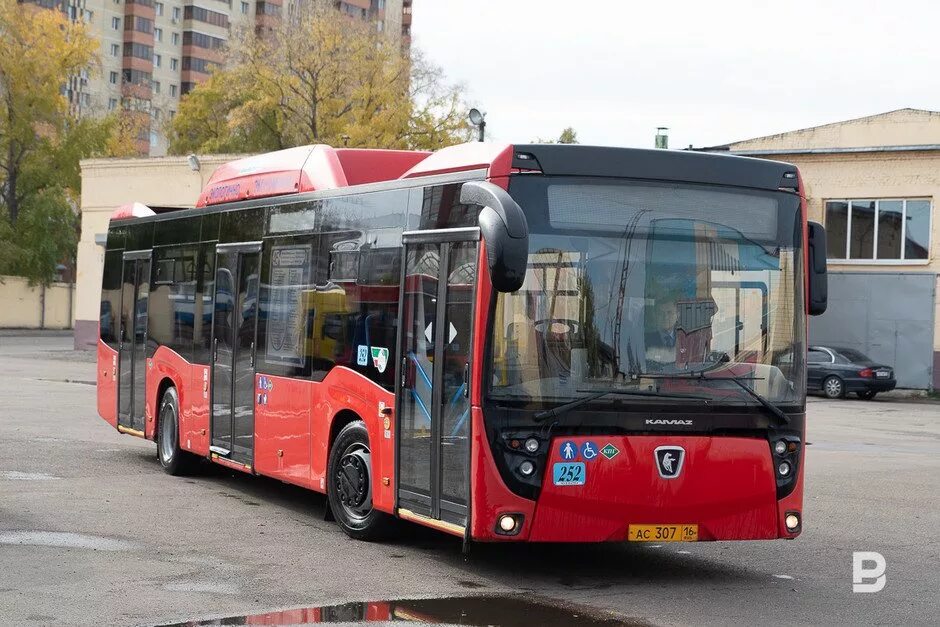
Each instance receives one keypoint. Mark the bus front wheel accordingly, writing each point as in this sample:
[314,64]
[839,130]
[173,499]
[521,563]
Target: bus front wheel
[350,485]
[174,460]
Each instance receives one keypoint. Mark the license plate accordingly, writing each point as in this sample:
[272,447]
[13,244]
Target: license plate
[662,533]
[882,375]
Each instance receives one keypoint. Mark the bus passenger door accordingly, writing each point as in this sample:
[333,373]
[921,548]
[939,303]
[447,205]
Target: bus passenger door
[433,400]
[234,322]
[132,340]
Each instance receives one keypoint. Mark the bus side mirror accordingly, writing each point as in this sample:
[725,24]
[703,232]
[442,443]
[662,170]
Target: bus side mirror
[504,230]
[818,283]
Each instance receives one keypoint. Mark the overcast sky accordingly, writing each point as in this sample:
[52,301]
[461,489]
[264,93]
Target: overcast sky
[713,71]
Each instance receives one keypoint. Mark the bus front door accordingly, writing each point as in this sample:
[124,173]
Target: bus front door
[234,322]
[132,358]
[433,396]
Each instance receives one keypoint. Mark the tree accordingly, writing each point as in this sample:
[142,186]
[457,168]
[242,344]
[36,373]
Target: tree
[319,78]
[41,141]
[568,136]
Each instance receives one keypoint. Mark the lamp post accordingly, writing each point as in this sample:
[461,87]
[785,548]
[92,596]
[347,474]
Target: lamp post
[478,119]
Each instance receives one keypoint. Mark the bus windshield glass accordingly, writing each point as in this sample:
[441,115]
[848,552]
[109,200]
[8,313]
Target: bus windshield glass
[634,285]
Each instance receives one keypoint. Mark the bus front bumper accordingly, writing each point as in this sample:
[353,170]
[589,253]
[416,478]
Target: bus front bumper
[723,487]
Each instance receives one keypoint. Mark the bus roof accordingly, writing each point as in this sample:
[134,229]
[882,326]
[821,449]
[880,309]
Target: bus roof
[320,167]
[304,169]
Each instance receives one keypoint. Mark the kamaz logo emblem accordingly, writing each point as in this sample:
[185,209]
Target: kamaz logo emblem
[669,460]
[669,421]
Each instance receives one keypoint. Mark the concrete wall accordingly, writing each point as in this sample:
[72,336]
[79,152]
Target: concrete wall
[905,127]
[869,175]
[106,185]
[876,175]
[34,307]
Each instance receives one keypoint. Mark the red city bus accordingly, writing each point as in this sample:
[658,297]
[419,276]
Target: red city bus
[502,342]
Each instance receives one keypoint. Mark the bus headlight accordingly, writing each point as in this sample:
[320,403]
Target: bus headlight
[792,521]
[509,524]
[526,468]
[780,447]
[783,469]
[532,445]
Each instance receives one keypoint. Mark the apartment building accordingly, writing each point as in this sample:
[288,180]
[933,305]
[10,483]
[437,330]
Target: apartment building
[155,51]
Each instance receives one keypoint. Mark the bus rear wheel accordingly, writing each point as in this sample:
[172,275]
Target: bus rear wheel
[174,460]
[349,488]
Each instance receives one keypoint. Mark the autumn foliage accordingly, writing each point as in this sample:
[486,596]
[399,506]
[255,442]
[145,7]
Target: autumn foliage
[41,140]
[319,77]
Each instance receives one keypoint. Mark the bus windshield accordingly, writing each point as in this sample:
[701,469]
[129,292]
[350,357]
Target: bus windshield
[629,282]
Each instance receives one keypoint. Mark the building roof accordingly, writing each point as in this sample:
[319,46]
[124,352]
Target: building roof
[899,130]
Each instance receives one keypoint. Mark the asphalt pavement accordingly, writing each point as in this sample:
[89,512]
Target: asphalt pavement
[92,532]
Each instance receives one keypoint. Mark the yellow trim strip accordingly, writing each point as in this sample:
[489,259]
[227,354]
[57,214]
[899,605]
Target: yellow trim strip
[230,463]
[442,525]
[130,431]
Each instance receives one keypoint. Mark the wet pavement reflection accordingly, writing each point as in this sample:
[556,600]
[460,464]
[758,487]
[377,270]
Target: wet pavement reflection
[506,611]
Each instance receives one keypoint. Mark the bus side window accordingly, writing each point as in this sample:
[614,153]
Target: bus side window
[439,207]
[111,297]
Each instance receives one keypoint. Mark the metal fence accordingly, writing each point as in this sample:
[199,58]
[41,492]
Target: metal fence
[887,316]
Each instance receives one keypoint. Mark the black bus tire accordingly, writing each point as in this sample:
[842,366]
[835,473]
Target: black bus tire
[349,485]
[174,460]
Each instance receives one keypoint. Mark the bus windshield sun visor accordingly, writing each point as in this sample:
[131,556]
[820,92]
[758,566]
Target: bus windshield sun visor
[504,230]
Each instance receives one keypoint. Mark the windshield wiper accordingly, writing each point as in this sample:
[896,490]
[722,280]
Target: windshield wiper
[775,411]
[782,418]
[564,408]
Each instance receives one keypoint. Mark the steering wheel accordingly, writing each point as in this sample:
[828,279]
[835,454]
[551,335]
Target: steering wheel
[558,326]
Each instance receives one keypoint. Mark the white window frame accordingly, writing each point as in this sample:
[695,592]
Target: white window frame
[875,260]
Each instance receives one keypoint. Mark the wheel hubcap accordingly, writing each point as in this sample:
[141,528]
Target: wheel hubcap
[353,485]
[167,433]
[834,387]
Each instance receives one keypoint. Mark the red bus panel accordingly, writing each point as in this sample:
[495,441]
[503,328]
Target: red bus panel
[726,487]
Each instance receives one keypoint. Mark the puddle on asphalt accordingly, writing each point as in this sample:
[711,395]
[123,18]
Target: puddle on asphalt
[65,540]
[506,611]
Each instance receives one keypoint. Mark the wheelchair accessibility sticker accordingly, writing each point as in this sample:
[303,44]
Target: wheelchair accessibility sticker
[568,473]
[588,451]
